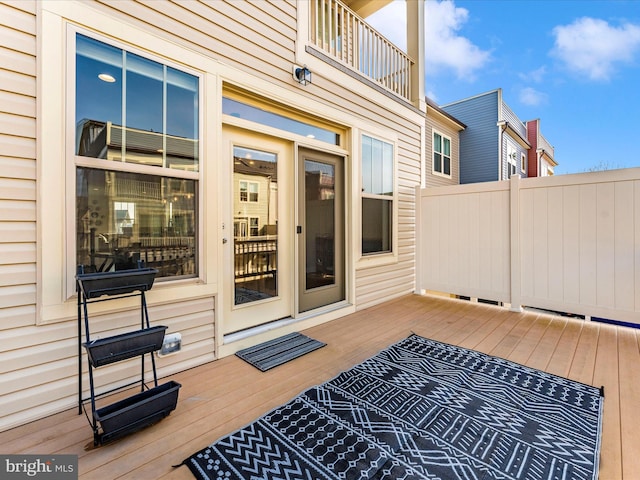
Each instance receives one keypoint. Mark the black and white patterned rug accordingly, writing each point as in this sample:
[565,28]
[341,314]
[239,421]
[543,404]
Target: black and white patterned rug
[421,409]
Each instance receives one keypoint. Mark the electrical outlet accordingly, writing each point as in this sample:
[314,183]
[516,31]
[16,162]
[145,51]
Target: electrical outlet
[172,344]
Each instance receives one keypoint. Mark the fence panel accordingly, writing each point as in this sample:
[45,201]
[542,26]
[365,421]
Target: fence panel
[575,239]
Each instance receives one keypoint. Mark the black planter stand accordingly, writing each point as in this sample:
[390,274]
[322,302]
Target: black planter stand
[150,404]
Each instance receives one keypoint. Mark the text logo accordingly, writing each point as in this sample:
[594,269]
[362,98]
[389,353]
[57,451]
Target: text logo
[50,467]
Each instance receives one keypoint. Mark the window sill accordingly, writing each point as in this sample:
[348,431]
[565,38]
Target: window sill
[376,260]
[161,293]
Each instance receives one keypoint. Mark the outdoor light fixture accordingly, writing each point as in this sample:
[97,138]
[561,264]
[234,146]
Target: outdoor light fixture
[302,75]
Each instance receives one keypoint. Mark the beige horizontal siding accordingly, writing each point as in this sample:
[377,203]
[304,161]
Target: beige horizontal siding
[44,359]
[16,125]
[19,232]
[22,105]
[258,37]
[14,317]
[432,180]
[17,211]
[16,296]
[17,82]
[17,189]
[206,28]
[18,274]
[17,62]
[20,168]
[26,6]
[18,20]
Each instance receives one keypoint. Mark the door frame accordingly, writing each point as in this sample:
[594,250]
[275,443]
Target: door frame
[243,316]
[326,293]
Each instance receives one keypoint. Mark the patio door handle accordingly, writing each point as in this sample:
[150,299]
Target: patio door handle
[299,229]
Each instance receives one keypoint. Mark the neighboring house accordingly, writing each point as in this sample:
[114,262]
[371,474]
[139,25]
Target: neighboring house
[127,130]
[442,146]
[494,144]
[540,158]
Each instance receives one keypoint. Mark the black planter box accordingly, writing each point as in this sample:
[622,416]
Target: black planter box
[127,345]
[136,412]
[116,283]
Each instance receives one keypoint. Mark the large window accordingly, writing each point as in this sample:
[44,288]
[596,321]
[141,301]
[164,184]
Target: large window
[441,154]
[137,161]
[377,196]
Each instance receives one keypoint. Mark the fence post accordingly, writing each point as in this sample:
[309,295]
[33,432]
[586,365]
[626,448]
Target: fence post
[419,242]
[514,227]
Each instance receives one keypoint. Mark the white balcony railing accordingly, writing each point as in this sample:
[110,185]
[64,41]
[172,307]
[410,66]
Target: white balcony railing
[343,35]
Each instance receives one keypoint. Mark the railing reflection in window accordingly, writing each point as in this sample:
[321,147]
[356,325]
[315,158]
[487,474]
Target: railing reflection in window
[255,224]
[125,217]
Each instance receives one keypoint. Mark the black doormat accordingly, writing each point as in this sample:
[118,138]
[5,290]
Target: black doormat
[278,351]
[420,409]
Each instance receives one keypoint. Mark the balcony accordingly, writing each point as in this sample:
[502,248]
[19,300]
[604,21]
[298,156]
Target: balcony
[341,34]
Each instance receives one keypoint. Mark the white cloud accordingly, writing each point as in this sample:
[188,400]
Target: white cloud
[592,47]
[391,21]
[445,48]
[537,76]
[532,97]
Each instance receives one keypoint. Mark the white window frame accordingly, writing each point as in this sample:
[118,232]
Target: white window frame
[387,257]
[55,216]
[120,166]
[435,132]
[523,162]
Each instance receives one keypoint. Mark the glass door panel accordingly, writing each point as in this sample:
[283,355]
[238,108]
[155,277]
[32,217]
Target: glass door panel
[255,225]
[320,224]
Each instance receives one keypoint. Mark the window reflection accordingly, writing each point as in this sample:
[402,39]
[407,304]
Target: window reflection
[320,221]
[159,123]
[255,224]
[249,112]
[124,217]
[377,193]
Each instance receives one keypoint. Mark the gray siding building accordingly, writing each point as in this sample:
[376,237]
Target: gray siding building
[494,144]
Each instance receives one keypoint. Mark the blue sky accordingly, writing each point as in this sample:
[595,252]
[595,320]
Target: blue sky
[574,64]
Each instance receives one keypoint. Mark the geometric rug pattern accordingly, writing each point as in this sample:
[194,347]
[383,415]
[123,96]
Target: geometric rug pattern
[421,409]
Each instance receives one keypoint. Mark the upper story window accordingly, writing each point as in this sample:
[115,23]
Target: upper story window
[137,124]
[441,154]
[132,109]
[377,196]
[248,191]
[523,162]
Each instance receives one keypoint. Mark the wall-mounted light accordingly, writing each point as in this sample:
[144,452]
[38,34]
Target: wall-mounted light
[302,75]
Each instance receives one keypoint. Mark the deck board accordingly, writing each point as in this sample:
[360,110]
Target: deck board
[606,374]
[224,395]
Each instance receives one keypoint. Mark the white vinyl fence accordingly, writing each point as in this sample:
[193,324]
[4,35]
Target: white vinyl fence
[569,243]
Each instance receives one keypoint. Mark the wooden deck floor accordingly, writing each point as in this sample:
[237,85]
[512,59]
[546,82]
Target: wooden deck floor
[222,396]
